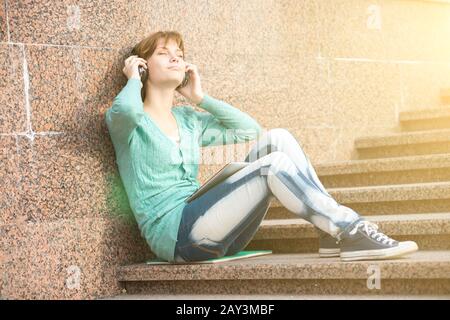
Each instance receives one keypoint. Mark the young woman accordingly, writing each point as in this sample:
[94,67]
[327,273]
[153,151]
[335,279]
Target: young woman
[157,150]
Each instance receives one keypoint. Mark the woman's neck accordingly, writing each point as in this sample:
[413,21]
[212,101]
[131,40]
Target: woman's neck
[159,101]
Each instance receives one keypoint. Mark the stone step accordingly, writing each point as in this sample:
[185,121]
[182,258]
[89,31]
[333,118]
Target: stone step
[387,171]
[271,297]
[422,272]
[403,144]
[425,119]
[430,197]
[429,231]
[445,95]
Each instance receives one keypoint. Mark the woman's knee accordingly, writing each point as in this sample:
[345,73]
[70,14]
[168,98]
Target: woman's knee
[280,138]
[275,139]
[277,161]
[278,156]
[281,133]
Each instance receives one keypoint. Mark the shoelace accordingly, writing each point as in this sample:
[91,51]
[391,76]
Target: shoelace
[370,229]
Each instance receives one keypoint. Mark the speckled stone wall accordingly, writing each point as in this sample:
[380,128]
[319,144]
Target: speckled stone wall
[328,71]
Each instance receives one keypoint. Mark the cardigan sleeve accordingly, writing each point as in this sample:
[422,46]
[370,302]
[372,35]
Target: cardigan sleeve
[126,111]
[224,124]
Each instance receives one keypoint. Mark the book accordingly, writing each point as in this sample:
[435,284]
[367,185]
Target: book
[237,256]
[227,170]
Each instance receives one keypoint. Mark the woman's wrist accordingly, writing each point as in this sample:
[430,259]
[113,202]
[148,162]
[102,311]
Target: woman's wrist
[136,79]
[198,99]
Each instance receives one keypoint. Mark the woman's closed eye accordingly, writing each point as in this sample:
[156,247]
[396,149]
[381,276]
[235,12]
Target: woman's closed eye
[166,53]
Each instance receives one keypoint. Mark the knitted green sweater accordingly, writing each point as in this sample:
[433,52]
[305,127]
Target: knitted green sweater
[158,175]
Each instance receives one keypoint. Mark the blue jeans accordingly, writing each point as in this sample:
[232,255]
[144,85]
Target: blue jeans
[223,220]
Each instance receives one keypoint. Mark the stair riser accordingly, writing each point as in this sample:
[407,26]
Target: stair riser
[377,208]
[291,286]
[311,245]
[429,124]
[385,178]
[403,150]
[445,97]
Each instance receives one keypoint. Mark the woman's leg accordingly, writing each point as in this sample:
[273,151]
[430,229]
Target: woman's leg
[280,139]
[247,234]
[361,240]
[214,220]
[211,223]
[277,139]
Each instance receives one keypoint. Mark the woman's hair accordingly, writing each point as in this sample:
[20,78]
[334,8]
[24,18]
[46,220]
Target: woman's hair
[145,48]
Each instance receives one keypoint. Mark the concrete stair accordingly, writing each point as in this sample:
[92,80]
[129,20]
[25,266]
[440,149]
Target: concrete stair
[430,231]
[445,96]
[274,297]
[388,171]
[427,119]
[400,181]
[423,272]
[387,199]
[404,144]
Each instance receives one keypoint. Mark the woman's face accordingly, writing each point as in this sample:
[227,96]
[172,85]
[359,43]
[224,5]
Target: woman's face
[166,65]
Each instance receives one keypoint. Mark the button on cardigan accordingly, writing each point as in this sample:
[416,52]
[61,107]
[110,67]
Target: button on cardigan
[157,173]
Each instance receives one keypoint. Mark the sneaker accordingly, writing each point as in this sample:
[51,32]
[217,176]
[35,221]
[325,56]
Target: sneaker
[365,242]
[328,246]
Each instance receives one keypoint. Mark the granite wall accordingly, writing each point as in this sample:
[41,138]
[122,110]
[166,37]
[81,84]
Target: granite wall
[328,71]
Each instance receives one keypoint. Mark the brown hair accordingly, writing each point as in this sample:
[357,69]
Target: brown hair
[145,48]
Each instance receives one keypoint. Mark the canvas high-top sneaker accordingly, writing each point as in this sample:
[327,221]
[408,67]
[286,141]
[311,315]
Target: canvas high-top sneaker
[363,241]
[328,246]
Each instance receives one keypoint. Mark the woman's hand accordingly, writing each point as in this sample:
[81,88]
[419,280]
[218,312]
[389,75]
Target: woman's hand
[131,68]
[193,89]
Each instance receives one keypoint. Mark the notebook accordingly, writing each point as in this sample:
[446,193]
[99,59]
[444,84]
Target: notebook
[227,170]
[237,256]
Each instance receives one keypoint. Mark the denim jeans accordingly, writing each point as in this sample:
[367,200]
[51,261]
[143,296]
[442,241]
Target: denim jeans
[223,220]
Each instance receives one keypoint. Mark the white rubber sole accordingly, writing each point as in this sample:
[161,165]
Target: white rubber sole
[329,253]
[403,248]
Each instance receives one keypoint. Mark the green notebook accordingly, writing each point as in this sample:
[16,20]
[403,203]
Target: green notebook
[239,255]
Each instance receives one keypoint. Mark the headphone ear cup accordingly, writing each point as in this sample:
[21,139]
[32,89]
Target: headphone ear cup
[143,73]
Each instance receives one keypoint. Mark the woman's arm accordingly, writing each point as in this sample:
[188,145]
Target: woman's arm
[126,111]
[224,124]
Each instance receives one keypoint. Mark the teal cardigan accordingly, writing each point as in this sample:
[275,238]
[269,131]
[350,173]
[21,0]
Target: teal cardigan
[158,175]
